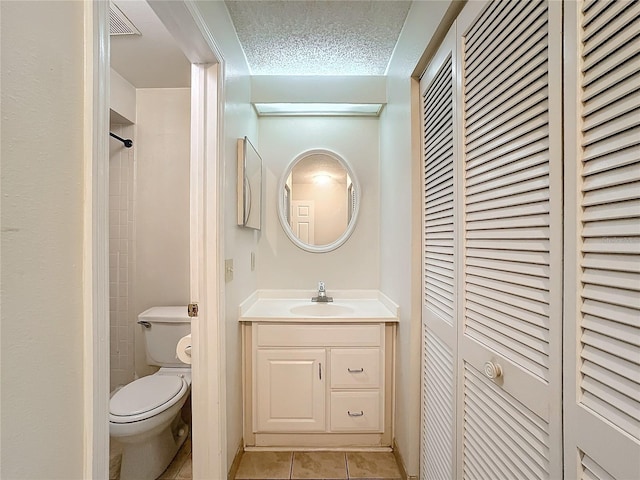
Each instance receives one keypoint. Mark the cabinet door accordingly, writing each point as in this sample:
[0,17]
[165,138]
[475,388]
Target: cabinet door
[290,391]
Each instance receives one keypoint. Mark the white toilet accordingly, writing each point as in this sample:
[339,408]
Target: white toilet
[144,416]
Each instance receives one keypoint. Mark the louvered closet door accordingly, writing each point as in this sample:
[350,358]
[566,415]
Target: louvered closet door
[439,311]
[511,310]
[602,318]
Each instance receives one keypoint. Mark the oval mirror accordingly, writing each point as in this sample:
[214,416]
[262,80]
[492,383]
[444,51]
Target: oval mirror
[318,201]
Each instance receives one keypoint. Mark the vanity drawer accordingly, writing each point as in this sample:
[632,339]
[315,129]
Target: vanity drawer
[306,335]
[355,368]
[355,411]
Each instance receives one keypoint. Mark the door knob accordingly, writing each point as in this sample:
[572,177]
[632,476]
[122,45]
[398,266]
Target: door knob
[492,370]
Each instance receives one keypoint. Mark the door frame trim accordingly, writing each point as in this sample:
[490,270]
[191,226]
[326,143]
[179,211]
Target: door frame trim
[185,23]
[95,267]
[207,334]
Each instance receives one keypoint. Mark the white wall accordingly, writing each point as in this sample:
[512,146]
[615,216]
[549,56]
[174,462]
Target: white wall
[400,229]
[42,229]
[161,204]
[239,119]
[282,265]
[122,97]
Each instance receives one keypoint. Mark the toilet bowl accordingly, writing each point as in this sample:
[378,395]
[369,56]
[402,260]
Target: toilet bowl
[144,415]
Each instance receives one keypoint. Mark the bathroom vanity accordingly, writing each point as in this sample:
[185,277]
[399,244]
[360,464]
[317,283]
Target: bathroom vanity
[318,374]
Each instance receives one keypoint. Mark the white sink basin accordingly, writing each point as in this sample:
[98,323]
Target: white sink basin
[321,310]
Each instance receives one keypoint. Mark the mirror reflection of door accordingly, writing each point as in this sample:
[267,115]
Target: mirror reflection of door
[303,220]
[322,181]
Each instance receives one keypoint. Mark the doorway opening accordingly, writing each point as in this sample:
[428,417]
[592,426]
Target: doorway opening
[112,270]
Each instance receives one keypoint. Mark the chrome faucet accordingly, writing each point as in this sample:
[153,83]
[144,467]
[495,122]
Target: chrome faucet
[322,295]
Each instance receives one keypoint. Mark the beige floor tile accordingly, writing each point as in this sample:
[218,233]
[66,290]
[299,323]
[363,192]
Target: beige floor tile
[372,465]
[178,461]
[115,459]
[264,466]
[186,471]
[319,465]
[187,445]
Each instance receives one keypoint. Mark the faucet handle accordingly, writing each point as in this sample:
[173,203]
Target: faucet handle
[322,294]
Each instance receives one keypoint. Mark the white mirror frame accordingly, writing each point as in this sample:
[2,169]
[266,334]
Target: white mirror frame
[281,203]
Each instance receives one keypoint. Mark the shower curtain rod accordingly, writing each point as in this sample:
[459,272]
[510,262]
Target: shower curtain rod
[127,143]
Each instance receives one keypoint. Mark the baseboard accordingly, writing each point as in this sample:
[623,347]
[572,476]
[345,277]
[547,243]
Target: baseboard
[400,462]
[236,461]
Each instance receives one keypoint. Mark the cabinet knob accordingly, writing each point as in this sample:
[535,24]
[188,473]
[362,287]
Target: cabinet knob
[355,370]
[355,414]
[492,370]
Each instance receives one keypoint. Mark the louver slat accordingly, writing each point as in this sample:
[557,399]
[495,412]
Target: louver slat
[620,95]
[507,195]
[610,309]
[518,35]
[592,471]
[437,408]
[619,47]
[508,164]
[501,436]
[439,193]
[619,17]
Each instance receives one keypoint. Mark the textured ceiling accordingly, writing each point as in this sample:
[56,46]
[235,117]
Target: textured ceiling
[318,37]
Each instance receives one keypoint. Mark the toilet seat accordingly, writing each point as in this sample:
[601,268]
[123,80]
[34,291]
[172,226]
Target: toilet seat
[145,397]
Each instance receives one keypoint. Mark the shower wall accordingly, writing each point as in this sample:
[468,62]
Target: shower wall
[121,257]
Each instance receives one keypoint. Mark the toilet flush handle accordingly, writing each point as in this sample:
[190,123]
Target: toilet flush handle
[145,324]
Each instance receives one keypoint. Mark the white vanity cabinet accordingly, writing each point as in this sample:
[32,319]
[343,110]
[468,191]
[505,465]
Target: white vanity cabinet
[318,384]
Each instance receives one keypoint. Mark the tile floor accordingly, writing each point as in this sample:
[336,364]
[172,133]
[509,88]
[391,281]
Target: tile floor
[318,465]
[288,465]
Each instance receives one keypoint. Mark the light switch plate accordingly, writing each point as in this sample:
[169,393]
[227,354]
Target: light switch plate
[253,261]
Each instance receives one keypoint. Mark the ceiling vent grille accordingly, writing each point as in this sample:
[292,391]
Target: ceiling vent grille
[119,24]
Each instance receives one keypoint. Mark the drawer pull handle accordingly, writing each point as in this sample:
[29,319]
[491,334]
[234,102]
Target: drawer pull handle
[355,414]
[356,370]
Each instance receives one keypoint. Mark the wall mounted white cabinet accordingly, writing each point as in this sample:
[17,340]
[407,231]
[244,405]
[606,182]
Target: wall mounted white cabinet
[318,382]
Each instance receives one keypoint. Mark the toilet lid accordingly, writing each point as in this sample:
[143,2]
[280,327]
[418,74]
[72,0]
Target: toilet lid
[145,394]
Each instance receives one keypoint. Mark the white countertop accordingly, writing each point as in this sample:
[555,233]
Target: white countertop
[349,306]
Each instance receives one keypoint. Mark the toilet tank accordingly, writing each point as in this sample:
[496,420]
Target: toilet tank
[162,327]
